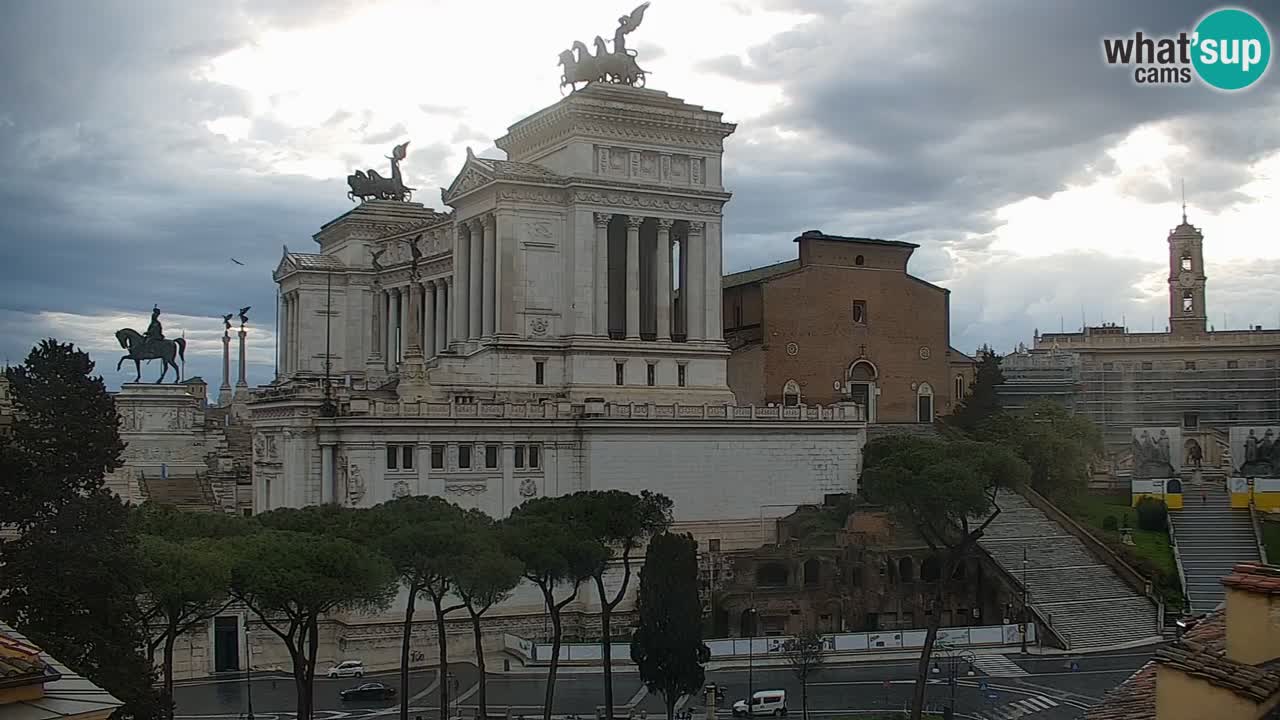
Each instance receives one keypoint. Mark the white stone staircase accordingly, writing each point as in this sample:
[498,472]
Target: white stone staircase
[1081,597]
[1212,537]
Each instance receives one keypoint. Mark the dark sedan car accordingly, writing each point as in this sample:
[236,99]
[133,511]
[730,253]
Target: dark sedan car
[369,691]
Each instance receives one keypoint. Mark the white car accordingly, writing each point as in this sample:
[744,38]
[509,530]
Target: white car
[347,668]
[764,702]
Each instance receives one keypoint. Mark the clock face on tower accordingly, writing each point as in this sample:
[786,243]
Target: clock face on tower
[1186,279]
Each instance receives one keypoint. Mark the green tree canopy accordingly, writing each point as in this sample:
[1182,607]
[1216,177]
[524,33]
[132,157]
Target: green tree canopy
[557,550]
[291,579]
[1058,447]
[668,647]
[427,540]
[65,438]
[981,403]
[71,577]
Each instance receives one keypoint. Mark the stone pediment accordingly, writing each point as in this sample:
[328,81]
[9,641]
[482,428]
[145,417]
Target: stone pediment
[474,174]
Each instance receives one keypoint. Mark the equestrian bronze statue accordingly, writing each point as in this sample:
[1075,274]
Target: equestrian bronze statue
[152,346]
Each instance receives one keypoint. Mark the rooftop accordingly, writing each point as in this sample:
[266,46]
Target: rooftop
[66,694]
[819,235]
[746,277]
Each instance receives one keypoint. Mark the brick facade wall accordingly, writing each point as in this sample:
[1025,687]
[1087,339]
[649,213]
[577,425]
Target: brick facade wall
[812,307]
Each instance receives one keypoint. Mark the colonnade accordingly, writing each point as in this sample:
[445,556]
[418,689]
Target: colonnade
[413,318]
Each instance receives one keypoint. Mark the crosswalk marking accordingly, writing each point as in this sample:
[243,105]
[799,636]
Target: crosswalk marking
[999,666]
[1020,708]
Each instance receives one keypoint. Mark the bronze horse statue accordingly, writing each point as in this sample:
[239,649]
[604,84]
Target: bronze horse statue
[140,349]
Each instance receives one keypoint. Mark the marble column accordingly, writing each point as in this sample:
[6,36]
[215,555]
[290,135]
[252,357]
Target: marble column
[395,326]
[695,295]
[488,277]
[413,321]
[633,276]
[282,339]
[388,342]
[602,274]
[715,277]
[475,298]
[662,281]
[240,379]
[461,283]
[443,326]
[224,391]
[429,319]
[328,485]
[375,324]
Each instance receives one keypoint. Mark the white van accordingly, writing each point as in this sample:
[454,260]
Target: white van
[765,702]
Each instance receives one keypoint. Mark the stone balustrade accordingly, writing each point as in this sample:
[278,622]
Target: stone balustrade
[606,411]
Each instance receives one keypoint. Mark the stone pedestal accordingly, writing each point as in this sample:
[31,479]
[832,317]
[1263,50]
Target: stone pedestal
[163,429]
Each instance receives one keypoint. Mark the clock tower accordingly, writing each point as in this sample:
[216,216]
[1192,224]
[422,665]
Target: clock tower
[1187,313]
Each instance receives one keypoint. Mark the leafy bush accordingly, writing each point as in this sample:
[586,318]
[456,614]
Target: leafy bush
[1110,523]
[1152,514]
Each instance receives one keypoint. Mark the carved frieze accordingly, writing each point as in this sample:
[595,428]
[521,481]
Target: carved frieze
[465,488]
[528,488]
[634,200]
[536,196]
[538,326]
[539,232]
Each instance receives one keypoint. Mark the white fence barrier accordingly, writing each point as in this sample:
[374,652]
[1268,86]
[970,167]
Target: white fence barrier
[870,642]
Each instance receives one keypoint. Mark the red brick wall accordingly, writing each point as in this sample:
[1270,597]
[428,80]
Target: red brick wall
[813,308]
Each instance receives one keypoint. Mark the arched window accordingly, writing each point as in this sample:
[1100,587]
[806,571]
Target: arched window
[862,377]
[812,571]
[924,403]
[859,261]
[791,394]
[929,570]
[959,394]
[1186,260]
[771,575]
[905,570]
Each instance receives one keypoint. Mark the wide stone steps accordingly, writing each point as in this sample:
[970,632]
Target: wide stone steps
[1088,603]
[1056,584]
[1098,623]
[1212,538]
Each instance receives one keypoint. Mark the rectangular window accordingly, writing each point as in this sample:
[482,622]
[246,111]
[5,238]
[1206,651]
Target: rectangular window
[617,373]
[1233,364]
[650,374]
[1108,366]
[437,457]
[464,457]
[534,452]
[491,456]
[680,370]
[1190,365]
[1190,421]
[393,455]
[519,459]
[406,456]
[248,512]
[859,312]
[539,369]
[1146,365]
[1188,302]
[737,316]
[713,545]
[1186,262]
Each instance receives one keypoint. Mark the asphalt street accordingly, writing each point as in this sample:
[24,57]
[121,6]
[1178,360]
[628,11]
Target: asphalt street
[1042,688]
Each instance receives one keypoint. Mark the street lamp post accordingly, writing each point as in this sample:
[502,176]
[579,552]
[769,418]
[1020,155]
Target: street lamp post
[248,671]
[1024,601]
[751,656]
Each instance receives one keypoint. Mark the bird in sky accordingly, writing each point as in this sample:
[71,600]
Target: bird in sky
[236,261]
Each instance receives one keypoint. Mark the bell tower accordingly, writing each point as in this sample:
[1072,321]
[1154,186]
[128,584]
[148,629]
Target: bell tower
[1187,312]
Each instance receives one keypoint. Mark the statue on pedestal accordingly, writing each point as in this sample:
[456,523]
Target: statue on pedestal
[617,67]
[151,345]
[371,185]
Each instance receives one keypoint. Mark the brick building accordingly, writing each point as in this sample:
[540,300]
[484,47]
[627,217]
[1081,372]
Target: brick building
[845,322]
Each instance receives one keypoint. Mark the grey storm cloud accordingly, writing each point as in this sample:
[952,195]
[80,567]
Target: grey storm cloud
[912,122]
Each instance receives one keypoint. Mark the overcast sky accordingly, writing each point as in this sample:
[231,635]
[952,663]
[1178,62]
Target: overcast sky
[144,143]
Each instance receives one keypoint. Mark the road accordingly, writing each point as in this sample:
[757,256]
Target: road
[1002,687]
